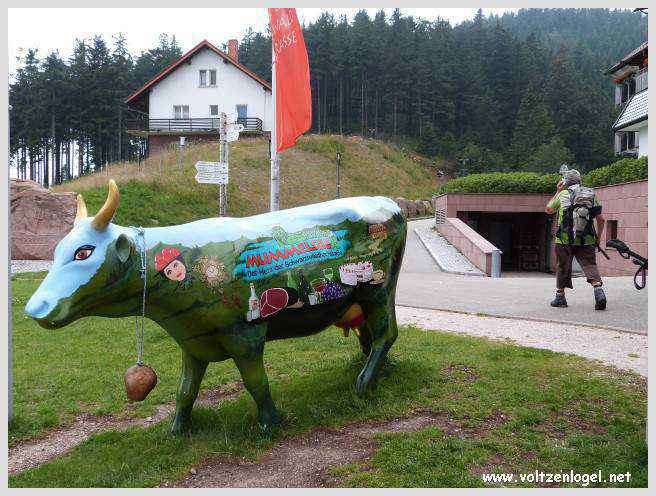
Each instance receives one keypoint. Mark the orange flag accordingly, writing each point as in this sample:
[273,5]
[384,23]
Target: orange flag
[292,85]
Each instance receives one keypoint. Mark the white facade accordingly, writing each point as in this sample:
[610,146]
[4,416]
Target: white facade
[642,140]
[233,87]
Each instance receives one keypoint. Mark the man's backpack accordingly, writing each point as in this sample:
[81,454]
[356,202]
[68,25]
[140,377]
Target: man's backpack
[579,212]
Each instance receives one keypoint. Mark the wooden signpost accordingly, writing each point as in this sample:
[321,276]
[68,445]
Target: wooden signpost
[217,172]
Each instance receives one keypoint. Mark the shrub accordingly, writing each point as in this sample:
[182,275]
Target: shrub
[502,182]
[623,170]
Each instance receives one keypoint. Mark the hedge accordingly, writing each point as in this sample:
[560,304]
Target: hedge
[624,170]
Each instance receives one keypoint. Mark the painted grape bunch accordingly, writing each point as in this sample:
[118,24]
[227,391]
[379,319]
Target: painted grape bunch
[332,291]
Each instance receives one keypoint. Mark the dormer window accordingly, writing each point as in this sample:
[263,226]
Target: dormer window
[207,77]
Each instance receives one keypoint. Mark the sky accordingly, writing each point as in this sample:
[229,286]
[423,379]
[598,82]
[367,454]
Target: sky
[57,29]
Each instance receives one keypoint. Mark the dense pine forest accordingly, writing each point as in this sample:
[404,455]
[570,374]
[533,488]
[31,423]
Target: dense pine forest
[522,91]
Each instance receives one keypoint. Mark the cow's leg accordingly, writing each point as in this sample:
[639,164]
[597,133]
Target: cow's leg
[379,328]
[193,371]
[256,382]
[246,346]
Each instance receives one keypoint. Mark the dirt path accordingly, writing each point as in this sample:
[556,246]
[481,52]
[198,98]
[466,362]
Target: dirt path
[303,461]
[31,453]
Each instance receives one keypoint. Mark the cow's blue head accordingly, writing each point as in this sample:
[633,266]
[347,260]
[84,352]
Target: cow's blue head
[92,270]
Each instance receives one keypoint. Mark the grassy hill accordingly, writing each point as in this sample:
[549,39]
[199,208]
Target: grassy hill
[153,198]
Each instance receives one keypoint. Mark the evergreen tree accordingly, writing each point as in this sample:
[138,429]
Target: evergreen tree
[533,129]
[549,157]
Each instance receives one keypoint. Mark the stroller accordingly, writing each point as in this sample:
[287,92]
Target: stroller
[640,277]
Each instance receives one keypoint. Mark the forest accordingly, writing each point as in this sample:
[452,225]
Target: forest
[522,91]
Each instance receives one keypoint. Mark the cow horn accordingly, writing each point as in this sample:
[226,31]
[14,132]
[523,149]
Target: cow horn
[81,209]
[107,211]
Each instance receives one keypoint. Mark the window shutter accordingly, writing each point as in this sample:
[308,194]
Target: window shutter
[618,95]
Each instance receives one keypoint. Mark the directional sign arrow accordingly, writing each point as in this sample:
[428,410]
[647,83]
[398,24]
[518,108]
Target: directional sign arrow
[212,167]
[211,178]
[234,128]
[231,137]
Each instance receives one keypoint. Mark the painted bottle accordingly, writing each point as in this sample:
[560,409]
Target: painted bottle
[304,288]
[253,306]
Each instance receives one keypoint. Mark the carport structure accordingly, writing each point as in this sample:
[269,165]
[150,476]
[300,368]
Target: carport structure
[483,226]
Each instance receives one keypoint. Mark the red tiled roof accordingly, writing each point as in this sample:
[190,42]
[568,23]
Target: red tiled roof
[187,56]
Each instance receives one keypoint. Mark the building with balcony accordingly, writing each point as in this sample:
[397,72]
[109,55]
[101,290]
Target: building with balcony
[186,98]
[631,96]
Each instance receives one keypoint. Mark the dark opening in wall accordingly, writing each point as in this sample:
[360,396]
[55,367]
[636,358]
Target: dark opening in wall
[611,229]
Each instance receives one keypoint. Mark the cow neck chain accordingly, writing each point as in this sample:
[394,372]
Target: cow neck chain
[143,272]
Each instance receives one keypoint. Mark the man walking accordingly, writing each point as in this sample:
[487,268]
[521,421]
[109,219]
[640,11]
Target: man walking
[578,209]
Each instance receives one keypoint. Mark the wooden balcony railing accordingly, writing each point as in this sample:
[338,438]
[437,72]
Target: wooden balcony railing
[642,80]
[251,124]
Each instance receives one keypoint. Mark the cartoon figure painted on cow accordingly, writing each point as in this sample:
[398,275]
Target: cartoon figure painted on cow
[222,287]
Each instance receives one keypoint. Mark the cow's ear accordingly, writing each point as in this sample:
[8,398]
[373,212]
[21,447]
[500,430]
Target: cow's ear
[123,246]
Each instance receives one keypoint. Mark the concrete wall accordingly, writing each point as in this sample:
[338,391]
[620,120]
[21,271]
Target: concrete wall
[643,140]
[489,202]
[627,204]
[471,244]
[233,87]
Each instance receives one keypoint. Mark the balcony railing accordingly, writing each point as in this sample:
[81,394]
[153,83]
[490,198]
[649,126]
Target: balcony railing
[251,124]
[642,80]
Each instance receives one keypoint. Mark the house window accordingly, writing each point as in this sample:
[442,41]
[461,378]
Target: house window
[181,111]
[203,77]
[632,87]
[628,141]
[625,93]
[214,110]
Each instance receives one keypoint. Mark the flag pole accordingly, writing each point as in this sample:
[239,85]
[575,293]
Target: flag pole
[274,193]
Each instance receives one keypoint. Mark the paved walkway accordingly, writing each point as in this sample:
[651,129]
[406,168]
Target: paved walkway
[623,350]
[30,265]
[422,284]
[448,258]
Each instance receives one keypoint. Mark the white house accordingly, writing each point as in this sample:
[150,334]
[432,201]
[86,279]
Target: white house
[186,98]
[632,96]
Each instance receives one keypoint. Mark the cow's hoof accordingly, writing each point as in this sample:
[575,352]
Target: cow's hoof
[269,420]
[363,384]
[179,425]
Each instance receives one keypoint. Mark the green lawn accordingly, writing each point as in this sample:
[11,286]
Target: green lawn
[559,412]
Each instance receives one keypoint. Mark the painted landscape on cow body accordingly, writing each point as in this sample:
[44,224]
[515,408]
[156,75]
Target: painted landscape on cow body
[255,279]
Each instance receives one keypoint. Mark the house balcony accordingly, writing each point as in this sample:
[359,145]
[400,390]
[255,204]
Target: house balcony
[638,81]
[183,127]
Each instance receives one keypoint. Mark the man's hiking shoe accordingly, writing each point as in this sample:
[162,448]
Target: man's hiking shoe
[600,298]
[559,300]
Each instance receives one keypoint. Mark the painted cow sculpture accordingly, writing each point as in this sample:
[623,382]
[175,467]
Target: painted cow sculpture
[222,287]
